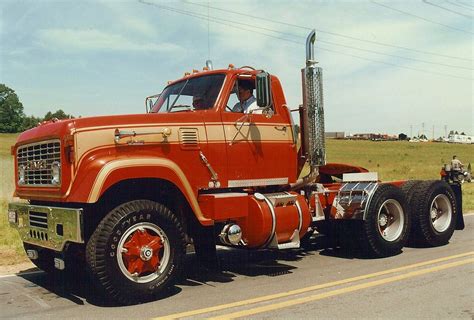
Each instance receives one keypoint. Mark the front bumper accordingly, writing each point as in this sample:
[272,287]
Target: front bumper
[47,227]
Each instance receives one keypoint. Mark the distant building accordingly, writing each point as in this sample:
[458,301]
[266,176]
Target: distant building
[460,138]
[374,136]
[335,135]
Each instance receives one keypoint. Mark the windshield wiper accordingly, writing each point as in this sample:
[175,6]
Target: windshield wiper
[177,97]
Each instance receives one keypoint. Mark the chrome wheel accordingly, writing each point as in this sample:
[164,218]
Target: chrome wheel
[390,220]
[143,252]
[441,213]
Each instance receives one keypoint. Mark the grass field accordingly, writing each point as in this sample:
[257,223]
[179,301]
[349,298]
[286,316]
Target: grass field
[392,160]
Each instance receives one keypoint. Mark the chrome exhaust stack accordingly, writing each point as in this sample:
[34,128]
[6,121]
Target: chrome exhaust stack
[313,149]
[313,107]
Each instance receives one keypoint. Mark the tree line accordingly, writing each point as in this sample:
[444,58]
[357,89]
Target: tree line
[12,117]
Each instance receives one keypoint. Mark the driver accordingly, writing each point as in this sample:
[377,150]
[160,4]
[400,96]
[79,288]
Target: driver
[247,101]
[199,103]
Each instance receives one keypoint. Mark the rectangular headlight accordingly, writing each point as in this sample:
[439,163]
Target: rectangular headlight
[12,216]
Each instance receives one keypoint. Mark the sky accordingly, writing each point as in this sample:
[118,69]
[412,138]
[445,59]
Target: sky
[389,66]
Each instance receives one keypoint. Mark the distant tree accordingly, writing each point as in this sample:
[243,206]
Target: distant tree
[455,132]
[59,114]
[30,122]
[462,133]
[11,110]
[402,136]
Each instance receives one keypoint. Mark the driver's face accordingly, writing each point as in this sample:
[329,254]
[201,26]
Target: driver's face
[198,103]
[244,94]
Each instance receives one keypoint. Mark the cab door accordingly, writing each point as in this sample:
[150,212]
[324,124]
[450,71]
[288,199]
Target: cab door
[260,149]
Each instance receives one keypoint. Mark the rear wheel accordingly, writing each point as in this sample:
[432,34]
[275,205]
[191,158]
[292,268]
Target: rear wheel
[385,228]
[434,210]
[136,251]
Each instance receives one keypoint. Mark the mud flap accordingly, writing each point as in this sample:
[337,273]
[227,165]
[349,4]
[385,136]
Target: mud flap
[205,247]
[458,195]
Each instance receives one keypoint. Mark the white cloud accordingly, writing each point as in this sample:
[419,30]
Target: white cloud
[92,39]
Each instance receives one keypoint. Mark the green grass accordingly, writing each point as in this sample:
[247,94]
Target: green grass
[11,249]
[392,160]
[400,160]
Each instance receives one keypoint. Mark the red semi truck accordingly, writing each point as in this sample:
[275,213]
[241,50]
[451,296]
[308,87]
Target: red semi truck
[124,195]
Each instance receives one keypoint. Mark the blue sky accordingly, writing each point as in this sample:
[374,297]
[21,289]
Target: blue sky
[104,57]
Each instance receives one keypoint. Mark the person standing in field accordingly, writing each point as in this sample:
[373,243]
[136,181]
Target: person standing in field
[456,164]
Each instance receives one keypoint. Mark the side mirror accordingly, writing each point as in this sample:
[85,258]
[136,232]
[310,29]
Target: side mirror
[264,90]
[150,102]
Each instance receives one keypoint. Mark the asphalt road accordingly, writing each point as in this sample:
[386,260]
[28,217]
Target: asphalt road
[434,283]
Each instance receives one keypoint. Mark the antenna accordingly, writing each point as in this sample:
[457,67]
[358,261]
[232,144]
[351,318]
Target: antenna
[208,32]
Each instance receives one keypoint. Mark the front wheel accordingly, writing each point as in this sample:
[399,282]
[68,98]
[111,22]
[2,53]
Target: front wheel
[136,251]
[386,225]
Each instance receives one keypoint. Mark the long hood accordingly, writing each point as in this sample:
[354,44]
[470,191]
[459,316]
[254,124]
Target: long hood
[131,120]
[47,130]
[60,128]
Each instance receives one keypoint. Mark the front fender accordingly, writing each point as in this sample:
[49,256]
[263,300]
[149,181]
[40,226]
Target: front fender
[118,170]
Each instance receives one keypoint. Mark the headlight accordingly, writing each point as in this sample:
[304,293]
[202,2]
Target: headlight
[21,174]
[12,216]
[56,172]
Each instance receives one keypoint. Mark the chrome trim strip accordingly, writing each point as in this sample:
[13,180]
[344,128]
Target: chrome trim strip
[300,215]
[256,182]
[272,211]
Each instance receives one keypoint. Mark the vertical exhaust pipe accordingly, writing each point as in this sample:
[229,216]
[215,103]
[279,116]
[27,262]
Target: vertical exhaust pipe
[313,107]
[313,149]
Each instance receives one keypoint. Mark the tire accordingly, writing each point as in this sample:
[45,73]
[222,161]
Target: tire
[136,251]
[434,213]
[408,187]
[386,226]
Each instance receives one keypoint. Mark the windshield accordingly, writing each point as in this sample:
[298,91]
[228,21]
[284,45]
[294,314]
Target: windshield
[193,94]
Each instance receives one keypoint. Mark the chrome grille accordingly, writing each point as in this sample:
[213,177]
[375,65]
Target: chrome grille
[38,219]
[36,161]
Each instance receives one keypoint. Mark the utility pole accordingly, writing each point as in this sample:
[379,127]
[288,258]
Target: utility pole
[411,131]
[432,134]
[423,128]
[446,131]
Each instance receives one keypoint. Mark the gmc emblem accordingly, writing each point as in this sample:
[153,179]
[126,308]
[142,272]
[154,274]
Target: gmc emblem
[36,165]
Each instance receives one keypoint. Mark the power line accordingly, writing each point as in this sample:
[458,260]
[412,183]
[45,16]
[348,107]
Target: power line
[458,5]
[447,9]
[239,26]
[422,18]
[322,41]
[466,4]
[397,56]
[331,33]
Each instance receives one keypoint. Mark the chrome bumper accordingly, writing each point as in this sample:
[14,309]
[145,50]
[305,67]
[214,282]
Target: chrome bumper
[47,227]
